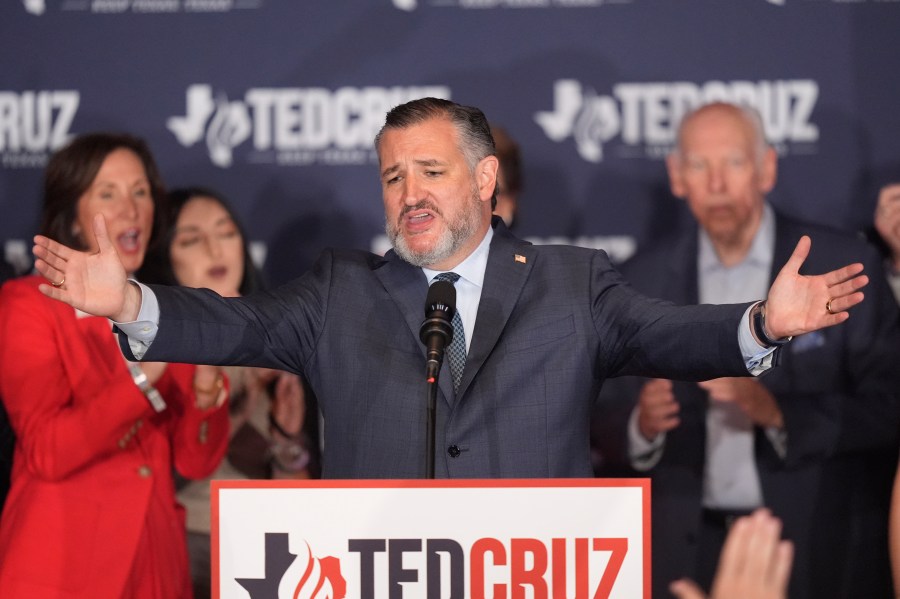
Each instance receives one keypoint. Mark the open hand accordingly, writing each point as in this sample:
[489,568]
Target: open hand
[755,563]
[93,283]
[799,304]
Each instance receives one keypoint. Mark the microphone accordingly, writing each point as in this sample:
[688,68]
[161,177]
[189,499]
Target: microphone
[437,330]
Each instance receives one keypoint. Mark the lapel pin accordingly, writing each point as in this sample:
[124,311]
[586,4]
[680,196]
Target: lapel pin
[521,258]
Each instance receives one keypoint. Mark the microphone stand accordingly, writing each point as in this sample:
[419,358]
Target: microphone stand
[436,333]
[430,419]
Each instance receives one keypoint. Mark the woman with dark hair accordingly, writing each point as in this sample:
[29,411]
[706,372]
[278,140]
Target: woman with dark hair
[91,510]
[159,266]
[204,246]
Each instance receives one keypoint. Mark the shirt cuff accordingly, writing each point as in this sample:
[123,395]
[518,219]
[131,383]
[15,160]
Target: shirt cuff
[643,454]
[757,358]
[142,331]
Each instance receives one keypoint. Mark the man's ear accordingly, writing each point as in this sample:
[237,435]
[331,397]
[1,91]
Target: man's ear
[486,177]
[768,171]
[676,183]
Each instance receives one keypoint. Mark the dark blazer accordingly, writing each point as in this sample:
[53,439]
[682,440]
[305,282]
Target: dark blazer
[553,323]
[823,380]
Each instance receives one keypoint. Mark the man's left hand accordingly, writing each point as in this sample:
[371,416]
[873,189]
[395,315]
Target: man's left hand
[799,304]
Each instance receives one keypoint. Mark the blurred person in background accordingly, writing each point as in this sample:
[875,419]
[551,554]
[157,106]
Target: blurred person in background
[91,511]
[7,437]
[887,229]
[807,440]
[205,246]
[887,225]
[509,175]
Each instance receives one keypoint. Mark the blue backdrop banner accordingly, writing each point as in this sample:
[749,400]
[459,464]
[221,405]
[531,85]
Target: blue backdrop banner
[275,103]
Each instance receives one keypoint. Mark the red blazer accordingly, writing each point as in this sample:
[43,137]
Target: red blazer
[91,510]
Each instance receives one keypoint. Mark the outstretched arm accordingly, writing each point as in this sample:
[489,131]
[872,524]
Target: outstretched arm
[93,283]
[799,304]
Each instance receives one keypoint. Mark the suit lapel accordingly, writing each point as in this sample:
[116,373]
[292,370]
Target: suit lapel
[682,283]
[509,263]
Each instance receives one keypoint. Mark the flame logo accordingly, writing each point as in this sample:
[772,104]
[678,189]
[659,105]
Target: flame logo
[321,578]
[598,122]
[591,119]
[229,127]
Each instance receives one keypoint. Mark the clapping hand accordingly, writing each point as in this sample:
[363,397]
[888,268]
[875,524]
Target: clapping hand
[657,408]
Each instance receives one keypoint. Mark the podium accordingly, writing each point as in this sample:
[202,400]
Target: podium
[431,539]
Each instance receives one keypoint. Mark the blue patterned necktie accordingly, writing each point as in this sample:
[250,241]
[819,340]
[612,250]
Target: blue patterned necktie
[456,352]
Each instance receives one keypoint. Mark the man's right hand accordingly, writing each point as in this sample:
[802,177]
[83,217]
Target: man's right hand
[657,408]
[93,283]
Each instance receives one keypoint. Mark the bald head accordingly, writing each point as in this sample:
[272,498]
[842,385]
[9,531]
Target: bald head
[748,117]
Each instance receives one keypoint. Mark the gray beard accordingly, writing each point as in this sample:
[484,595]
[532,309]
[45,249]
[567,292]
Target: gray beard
[457,233]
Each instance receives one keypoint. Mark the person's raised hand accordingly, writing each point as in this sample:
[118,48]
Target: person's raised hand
[95,283]
[798,304]
[755,563]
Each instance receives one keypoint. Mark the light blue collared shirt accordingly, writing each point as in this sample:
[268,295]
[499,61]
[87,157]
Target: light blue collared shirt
[730,477]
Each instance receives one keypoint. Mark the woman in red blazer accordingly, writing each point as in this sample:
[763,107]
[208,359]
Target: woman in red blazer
[91,510]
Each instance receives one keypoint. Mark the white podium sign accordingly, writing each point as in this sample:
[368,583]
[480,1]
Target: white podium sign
[459,539]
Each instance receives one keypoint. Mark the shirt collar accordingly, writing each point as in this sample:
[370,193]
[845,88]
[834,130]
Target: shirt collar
[761,249]
[472,268]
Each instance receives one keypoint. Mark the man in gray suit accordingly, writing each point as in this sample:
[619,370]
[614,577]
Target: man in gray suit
[543,326]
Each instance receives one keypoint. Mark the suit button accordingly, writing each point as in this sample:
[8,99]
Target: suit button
[453,450]
[144,471]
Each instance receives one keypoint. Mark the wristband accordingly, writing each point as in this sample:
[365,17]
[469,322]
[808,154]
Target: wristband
[758,322]
[143,383]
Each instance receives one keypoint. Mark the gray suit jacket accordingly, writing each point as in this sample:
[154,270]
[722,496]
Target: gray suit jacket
[553,323]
